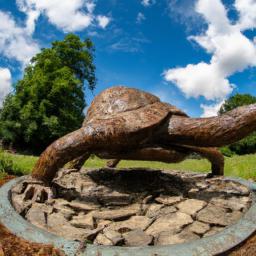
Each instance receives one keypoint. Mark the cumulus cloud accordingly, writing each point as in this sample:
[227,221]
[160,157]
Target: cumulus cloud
[183,11]
[247,13]
[231,52]
[67,15]
[103,21]
[212,109]
[5,84]
[201,79]
[147,3]
[140,17]
[15,41]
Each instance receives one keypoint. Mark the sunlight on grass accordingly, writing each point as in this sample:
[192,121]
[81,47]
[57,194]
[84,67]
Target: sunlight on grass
[236,166]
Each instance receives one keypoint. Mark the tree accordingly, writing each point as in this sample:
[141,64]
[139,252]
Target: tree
[49,100]
[248,144]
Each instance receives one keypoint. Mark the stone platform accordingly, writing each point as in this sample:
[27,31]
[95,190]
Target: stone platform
[132,207]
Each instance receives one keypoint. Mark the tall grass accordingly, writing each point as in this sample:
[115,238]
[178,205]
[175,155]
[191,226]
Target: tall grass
[8,166]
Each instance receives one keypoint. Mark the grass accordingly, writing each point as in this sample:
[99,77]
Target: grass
[236,166]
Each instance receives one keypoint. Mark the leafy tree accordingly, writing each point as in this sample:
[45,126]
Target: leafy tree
[248,144]
[49,100]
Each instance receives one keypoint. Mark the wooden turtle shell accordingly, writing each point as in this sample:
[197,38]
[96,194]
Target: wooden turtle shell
[132,109]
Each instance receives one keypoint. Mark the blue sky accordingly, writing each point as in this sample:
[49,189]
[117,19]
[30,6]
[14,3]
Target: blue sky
[193,54]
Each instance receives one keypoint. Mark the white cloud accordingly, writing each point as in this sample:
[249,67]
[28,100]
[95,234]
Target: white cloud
[247,11]
[90,6]
[140,17]
[65,14]
[103,21]
[211,110]
[231,52]
[200,80]
[15,41]
[183,11]
[130,44]
[5,84]
[147,3]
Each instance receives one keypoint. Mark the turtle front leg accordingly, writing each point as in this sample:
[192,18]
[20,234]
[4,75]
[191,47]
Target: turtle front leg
[69,147]
[78,162]
[60,152]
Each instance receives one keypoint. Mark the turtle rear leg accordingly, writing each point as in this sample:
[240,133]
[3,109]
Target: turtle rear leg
[174,154]
[213,155]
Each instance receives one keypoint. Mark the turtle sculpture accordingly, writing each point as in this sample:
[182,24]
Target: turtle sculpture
[126,123]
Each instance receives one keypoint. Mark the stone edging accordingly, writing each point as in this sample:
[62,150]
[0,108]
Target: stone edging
[208,246]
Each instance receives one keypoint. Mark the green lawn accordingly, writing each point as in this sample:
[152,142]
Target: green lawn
[236,166]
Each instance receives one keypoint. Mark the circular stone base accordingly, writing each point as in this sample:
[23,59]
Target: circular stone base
[132,207]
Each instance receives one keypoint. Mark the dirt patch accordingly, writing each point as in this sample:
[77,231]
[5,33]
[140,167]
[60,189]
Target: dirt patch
[247,248]
[10,245]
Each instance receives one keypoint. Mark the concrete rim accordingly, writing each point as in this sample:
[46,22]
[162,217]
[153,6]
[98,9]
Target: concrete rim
[213,245]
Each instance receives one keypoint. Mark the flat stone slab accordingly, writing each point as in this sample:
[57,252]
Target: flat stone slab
[153,221]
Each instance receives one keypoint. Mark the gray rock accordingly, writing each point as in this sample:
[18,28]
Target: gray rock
[193,192]
[228,187]
[59,225]
[90,234]
[172,222]
[213,231]
[66,211]
[38,193]
[82,206]
[102,240]
[153,210]
[166,238]
[19,204]
[198,227]
[168,200]
[115,198]
[219,216]
[117,214]
[38,214]
[19,188]
[166,210]
[83,221]
[75,181]
[147,199]
[114,236]
[191,206]
[202,185]
[233,203]
[137,238]
[135,222]
[60,205]
[103,223]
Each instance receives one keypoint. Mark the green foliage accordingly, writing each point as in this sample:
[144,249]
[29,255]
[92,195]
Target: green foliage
[248,144]
[237,101]
[226,151]
[49,101]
